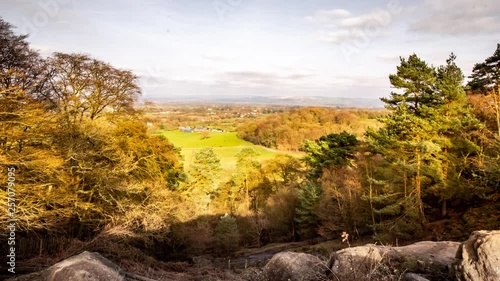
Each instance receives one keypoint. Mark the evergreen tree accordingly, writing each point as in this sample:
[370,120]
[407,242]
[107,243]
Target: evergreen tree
[306,218]
[417,80]
[329,158]
[204,177]
[485,87]
[227,235]
[328,151]
[455,125]
[408,140]
[486,81]
[486,75]
[419,136]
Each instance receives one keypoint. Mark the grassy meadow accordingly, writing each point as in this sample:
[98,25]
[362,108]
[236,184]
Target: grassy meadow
[226,145]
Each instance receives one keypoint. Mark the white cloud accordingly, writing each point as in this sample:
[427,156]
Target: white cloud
[392,58]
[459,17]
[328,16]
[360,81]
[254,79]
[340,25]
[217,58]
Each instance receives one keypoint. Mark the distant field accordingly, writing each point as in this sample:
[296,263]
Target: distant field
[226,145]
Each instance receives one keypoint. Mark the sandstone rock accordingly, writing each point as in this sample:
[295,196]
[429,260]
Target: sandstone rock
[370,262]
[428,256]
[357,263]
[478,258]
[85,266]
[290,266]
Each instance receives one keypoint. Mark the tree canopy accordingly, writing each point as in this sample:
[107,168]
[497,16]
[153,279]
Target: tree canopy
[486,75]
[84,159]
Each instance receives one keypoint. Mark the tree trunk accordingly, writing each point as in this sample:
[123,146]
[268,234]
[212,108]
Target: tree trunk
[496,99]
[418,188]
[370,186]
[445,185]
[371,204]
[405,183]
[444,210]
[247,195]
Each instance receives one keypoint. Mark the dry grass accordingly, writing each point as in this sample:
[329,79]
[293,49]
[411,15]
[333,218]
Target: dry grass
[118,246]
[73,248]
[387,269]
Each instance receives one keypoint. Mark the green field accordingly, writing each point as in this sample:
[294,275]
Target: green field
[226,145]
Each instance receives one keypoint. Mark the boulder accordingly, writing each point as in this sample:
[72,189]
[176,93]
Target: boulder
[85,266]
[428,256]
[290,266]
[356,263]
[372,262]
[478,258]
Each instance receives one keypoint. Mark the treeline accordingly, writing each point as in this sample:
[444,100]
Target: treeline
[226,117]
[289,130]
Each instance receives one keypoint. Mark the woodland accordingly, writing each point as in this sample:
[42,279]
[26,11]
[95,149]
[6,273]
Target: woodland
[91,174]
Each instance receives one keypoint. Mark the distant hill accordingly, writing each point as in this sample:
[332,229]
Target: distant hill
[274,100]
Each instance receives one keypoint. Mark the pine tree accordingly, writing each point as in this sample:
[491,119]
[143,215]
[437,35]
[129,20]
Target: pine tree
[486,81]
[307,219]
[417,80]
[455,124]
[407,138]
[486,75]
[226,234]
[328,151]
[204,177]
[418,136]
[431,144]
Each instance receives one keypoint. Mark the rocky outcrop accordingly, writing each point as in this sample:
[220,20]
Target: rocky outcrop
[372,262]
[478,258]
[356,263]
[428,256]
[85,266]
[290,266]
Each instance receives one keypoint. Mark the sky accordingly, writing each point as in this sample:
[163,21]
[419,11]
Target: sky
[335,48]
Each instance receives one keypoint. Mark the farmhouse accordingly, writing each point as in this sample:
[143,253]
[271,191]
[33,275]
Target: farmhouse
[200,129]
[186,129]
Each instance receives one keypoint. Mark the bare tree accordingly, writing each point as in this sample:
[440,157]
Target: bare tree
[83,87]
